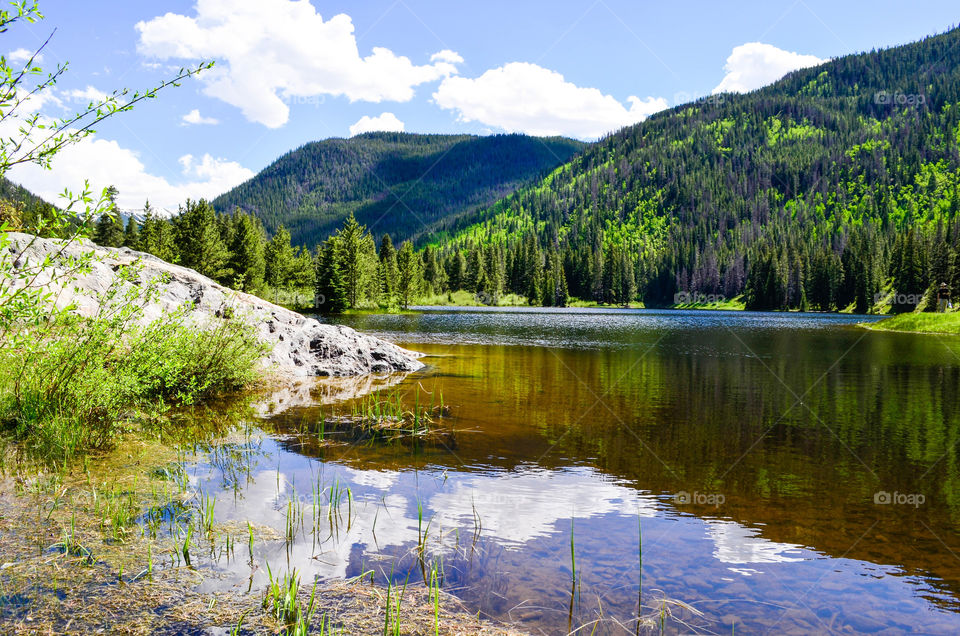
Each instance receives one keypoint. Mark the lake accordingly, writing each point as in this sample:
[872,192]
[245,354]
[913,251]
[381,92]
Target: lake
[763,472]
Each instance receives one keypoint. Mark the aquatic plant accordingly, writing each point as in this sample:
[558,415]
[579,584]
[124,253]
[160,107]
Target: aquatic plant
[281,601]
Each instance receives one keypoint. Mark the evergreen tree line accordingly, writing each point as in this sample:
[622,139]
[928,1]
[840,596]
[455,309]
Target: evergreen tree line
[824,190]
[830,189]
[345,271]
[233,249]
[349,270]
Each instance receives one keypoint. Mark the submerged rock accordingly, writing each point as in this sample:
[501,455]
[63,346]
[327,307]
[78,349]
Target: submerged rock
[301,346]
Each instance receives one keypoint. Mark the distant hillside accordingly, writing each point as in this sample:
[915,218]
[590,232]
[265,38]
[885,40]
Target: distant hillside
[407,185]
[10,191]
[20,208]
[821,190]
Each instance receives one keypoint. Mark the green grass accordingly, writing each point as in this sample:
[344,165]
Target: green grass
[70,385]
[592,304]
[461,298]
[730,304]
[365,311]
[948,323]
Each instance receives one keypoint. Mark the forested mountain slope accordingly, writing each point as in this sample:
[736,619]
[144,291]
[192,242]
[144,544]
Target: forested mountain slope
[407,185]
[817,191]
[19,207]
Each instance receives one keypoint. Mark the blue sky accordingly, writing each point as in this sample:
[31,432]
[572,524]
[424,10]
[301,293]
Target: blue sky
[289,72]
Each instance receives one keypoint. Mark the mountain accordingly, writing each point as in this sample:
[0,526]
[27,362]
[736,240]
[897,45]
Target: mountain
[407,185]
[19,207]
[10,191]
[830,187]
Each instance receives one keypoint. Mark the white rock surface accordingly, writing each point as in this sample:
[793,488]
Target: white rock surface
[302,392]
[301,346]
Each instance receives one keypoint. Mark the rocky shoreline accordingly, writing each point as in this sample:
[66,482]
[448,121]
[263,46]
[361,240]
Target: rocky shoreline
[300,346]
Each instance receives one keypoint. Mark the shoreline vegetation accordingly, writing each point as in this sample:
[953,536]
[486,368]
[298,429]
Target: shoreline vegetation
[100,413]
[919,323]
[101,408]
[127,525]
[100,416]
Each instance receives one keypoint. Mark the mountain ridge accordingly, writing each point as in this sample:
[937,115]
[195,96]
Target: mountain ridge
[405,184]
[798,194]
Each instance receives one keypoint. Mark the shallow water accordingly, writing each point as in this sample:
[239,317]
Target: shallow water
[751,452]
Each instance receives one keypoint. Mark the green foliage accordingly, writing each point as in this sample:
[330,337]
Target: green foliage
[158,237]
[331,291]
[948,323]
[813,191]
[109,230]
[357,260]
[131,234]
[279,256]
[200,245]
[409,275]
[247,262]
[70,384]
[387,272]
[406,185]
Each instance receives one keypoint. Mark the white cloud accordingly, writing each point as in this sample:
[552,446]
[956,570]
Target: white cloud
[448,56]
[756,64]
[29,104]
[194,117]
[105,163]
[737,544]
[524,97]
[271,52]
[22,56]
[515,508]
[386,121]
[87,95]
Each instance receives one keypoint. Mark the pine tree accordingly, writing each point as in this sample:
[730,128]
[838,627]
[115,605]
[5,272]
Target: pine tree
[457,271]
[492,286]
[331,291]
[563,294]
[610,277]
[535,290]
[131,234]
[477,270]
[626,287]
[408,266]
[279,256]
[199,241]
[357,258]
[108,231]
[432,277]
[387,270]
[301,274]
[247,262]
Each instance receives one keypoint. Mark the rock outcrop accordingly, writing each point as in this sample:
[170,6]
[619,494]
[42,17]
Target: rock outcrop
[300,346]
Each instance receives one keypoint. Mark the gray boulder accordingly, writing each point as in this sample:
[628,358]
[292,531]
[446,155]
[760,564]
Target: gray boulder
[301,346]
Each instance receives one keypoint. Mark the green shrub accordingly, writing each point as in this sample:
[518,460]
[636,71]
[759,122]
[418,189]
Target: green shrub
[73,384]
